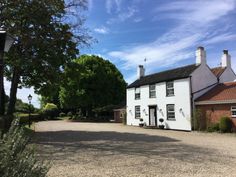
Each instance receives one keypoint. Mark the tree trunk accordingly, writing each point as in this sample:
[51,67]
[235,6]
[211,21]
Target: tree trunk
[13,91]
[2,95]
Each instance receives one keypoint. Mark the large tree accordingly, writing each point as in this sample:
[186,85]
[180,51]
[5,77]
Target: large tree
[46,39]
[91,82]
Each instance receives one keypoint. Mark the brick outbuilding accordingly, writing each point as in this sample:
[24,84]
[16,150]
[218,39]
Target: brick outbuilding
[217,102]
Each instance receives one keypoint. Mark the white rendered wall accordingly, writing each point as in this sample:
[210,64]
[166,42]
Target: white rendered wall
[227,76]
[202,77]
[181,99]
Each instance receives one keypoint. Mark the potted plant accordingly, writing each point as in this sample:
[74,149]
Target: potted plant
[141,122]
[161,126]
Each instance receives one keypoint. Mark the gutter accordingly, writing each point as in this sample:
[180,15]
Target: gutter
[215,102]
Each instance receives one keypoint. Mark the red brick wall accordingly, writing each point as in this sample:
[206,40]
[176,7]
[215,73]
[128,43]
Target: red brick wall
[215,112]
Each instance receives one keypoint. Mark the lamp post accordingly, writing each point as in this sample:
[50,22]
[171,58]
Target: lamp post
[29,98]
[5,43]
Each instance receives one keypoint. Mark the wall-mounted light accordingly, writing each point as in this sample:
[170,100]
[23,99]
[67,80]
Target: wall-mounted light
[180,110]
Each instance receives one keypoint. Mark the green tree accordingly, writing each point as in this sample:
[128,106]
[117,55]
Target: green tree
[45,41]
[91,82]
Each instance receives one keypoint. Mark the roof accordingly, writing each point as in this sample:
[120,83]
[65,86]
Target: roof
[222,93]
[218,71]
[173,74]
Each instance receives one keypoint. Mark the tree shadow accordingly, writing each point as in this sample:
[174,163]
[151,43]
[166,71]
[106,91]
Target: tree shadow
[61,145]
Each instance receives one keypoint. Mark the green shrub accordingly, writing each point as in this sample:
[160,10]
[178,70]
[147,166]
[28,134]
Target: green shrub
[214,127]
[70,114]
[50,110]
[225,124]
[17,158]
[62,114]
[24,118]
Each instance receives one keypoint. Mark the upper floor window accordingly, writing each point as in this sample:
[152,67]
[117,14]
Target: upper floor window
[137,112]
[137,93]
[170,109]
[170,88]
[233,111]
[152,91]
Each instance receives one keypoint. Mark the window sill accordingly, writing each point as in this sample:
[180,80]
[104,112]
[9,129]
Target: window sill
[169,95]
[171,119]
[233,116]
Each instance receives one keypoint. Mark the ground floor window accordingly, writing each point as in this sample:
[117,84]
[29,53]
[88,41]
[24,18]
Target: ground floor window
[137,112]
[233,111]
[170,109]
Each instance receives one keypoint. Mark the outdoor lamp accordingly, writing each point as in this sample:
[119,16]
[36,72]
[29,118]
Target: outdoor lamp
[30,98]
[5,41]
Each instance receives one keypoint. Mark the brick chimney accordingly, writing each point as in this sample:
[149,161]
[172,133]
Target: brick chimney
[140,71]
[225,59]
[200,56]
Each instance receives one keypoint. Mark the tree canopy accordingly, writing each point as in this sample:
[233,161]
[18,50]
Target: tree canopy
[91,82]
[45,41]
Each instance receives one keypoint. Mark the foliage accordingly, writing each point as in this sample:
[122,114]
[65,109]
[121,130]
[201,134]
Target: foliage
[225,124]
[17,158]
[62,114]
[70,114]
[198,122]
[213,127]
[24,118]
[45,41]
[24,107]
[90,83]
[50,110]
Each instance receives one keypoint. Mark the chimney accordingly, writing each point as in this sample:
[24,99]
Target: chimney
[200,56]
[140,71]
[225,59]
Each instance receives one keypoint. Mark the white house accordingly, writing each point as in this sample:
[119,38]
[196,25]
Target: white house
[170,94]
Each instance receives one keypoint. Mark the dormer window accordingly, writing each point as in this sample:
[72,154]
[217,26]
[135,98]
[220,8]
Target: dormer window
[137,93]
[170,88]
[152,91]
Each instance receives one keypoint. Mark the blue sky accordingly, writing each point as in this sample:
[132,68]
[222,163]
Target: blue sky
[167,33]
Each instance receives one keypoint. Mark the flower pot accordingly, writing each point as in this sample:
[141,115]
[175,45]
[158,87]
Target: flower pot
[161,126]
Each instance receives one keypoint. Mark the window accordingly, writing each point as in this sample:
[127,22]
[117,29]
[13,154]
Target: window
[170,88]
[137,93]
[233,111]
[170,108]
[152,91]
[137,112]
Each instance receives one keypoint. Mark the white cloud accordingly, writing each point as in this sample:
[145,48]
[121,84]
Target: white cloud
[102,30]
[195,23]
[221,38]
[123,16]
[113,5]
[138,19]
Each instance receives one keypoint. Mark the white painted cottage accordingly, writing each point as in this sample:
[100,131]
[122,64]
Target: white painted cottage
[170,94]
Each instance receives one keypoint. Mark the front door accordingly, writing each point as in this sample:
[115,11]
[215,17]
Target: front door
[153,115]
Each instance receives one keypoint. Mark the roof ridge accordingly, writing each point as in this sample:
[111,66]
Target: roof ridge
[170,70]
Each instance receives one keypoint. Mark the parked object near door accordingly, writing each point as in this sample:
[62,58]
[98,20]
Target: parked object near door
[161,126]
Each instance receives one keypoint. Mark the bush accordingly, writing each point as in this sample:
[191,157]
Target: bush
[225,124]
[16,157]
[70,114]
[62,114]
[24,118]
[213,127]
[50,110]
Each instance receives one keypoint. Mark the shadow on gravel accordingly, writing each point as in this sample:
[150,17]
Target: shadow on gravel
[63,145]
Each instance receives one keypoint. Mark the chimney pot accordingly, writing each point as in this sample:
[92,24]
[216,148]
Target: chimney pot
[225,52]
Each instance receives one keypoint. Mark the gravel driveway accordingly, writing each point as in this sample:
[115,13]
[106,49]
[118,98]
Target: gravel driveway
[109,150]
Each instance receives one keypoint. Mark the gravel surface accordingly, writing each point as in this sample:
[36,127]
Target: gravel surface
[114,150]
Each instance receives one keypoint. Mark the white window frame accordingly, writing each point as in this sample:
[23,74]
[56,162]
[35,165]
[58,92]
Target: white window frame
[152,92]
[137,93]
[170,90]
[170,112]
[137,112]
[233,109]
